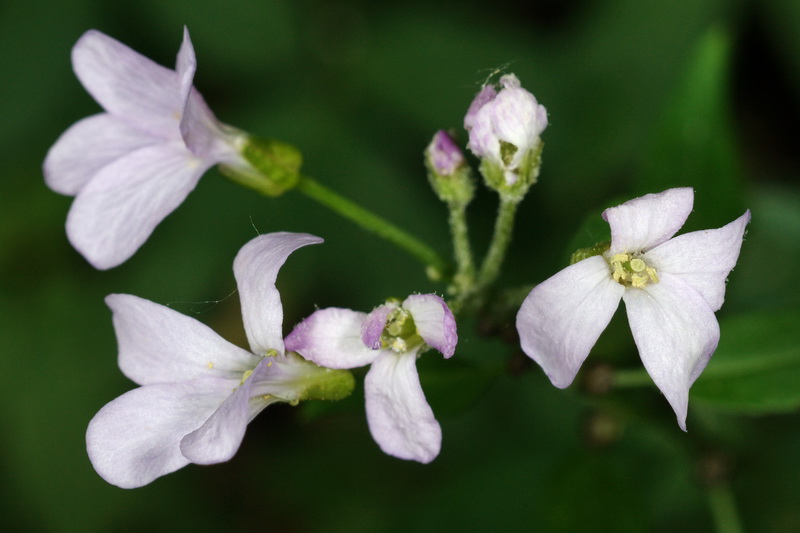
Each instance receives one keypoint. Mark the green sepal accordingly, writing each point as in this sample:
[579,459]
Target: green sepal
[328,384]
[273,166]
[457,189]
[590,251]
[527,173]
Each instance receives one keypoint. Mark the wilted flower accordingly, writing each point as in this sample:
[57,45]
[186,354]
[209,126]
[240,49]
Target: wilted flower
[671,288]
[504,128]
[198,392]
[132,165]
[389,338]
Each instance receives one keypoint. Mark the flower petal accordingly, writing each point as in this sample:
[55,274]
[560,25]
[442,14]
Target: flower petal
[136,438]
[676,333]
[160,345]
[218,439]
[434,320]
[332,338]
[703,259]
[185,66]
[399,417]
[562,317]
[644,223]
[129,85]
[199,128]
[86,147]
[256,268]
[373,325]
[121,206]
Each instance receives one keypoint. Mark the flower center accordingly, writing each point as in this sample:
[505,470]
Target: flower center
[400,333]
[631,270]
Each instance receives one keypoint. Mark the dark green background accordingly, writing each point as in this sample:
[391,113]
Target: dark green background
[641,96]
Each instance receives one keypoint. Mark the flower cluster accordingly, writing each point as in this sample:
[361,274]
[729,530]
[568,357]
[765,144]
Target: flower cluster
[131,165]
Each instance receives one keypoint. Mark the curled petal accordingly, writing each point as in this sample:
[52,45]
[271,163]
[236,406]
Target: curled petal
[434,320]
[676,333]
[86,147]
[136,438]
[332,338]
[159,345]
[129,85]
[256,268]
[117,210]
[400,419]
[562,317]
[644,223]
[703,259]
[220,436]
[199,128]
[373,325]
[185,66]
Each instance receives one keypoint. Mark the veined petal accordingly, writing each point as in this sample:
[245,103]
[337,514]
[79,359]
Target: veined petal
[676,333]
[374,323]
[159,345]
[218,439]
[562,317]
[400,419]
[129,85]
[86,147]
[136,438]
[121,206]
[332,338]
[256,268]
[644,223]
[703,259]
[434,320]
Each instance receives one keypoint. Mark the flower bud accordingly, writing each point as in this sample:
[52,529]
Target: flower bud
[448,172]
[504,125]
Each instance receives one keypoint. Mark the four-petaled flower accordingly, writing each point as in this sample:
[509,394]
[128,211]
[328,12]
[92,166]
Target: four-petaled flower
[389,338]
[198,392]
[504,128]
[132,165]
[671,288]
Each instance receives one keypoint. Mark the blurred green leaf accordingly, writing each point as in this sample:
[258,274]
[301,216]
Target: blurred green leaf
[756,369]
[694,145]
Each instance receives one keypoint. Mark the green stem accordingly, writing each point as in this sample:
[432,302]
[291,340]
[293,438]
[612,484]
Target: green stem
[465,266]
[504,226]
[723,509]
[437,266]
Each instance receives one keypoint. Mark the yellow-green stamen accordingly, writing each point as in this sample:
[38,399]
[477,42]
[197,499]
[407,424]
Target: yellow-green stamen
[631,270]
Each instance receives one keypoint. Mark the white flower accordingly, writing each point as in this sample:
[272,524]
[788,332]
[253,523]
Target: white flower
[198,391]
[671,288]
[132,165]
[504,127]
[389,339]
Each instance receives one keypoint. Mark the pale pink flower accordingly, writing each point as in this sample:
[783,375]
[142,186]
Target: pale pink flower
[671,287]
[389,339]
[132,165]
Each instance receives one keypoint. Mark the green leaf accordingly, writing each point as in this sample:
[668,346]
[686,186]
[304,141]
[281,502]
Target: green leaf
[695,145]
[756,369]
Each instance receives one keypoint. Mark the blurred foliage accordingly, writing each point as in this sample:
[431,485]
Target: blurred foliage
[641,96]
